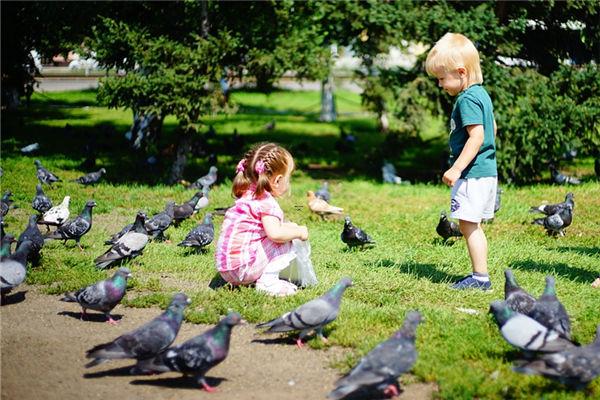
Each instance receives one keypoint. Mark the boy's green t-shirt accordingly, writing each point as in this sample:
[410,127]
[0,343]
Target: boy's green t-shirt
[473,106]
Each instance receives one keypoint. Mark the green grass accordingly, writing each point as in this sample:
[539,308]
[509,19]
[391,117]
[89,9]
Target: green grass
[407,269]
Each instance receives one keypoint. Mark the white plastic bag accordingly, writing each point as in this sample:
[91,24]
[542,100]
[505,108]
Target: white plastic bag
[300,271]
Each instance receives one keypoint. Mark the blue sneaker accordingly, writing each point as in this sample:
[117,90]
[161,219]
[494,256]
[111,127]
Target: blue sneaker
[469,282]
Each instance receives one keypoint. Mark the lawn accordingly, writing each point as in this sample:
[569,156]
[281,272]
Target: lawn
[407,269]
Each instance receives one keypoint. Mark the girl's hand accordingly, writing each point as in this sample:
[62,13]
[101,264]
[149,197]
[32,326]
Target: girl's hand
[303,233]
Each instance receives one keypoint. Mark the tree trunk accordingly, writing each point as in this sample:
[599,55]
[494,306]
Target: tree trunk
[384,123]
[184,147]
[328,113]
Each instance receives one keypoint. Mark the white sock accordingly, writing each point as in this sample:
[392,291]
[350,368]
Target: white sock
[481,277]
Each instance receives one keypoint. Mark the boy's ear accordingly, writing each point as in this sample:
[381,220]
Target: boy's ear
[461,71]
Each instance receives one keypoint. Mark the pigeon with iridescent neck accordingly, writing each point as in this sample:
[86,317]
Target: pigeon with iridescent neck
[550,312]
[5,203]
[5,244]
[382,366]
[76,228]
[446,228]
[41,203]
[550,209]
[33,234]
[146,341]
[13,268]
[198,355]
[354,236]
[159,223]
[310,316]
[101,296]
[516,298]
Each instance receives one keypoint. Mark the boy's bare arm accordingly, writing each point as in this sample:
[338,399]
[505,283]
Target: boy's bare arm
[281,232]
[467,154]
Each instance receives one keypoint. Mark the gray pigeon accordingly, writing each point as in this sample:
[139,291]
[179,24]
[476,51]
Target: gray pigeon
[560,178]
[201,236]
[187,209]
[203,201]
[45,176]
[146,341]
[550,209]
[446,228]
[122,232]
[323,192]
[159,223]
[205,181]
[5,203]
[198,355]
[575,367]
[549,311]
[526,333]
[41,203]
[354,236]
[13,269]
[76,228]
[516,298]
[382,366]
[310,316]
[101,296]
[389,174]
[33,234]
[556,223]
[130,245]
[91,178]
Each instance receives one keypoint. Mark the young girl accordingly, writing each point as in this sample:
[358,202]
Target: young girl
[255,244]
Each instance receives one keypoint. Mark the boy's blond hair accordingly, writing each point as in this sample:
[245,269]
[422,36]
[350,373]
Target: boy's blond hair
[452,51]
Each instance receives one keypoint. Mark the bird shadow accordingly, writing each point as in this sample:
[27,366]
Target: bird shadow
[283,340]
[14,298]
[586,251]
[441,242]
[370,393]
[180,382]
[90,317]
[354,249]
[420,270]
[560,269]
[121,371]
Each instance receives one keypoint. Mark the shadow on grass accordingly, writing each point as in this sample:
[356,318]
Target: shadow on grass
[420,270]
[560,269]
[584,251]
[181,382]
[95,317]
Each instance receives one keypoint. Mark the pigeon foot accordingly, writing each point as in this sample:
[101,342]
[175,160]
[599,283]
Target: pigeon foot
[391,391]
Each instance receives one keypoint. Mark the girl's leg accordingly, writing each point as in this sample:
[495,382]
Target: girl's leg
[269,281]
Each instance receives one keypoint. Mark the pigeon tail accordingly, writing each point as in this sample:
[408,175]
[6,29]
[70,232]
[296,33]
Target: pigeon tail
[69,298]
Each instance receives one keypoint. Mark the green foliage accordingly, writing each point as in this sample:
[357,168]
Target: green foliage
[408,269]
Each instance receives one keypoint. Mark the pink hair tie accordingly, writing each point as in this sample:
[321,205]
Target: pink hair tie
[259,167]
[240,166]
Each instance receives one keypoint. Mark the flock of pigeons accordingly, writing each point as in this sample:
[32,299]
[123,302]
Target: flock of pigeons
[540,328]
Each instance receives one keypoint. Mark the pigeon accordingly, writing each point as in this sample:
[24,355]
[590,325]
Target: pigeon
[550,209]
[91,178]
[526,333]
[30,148]
[197,355]
[497,204]
[575,367]
[186,210]
[556,223]
[159,223]
[446,228]
[13,269]
[74,229]
[57,215]
[323,192]
[130,245]
[205,181]
[382,366]
[389,174]
[320,206]
[41,203]
[354,236]
[6,242]
[269,126]
[33,234]
[201,236]
[101,296]
[202,201]
[560,178]
[45,176]
[146,341]
[549,311]
[346,142]
[516,298]
[313,315]
[5,203]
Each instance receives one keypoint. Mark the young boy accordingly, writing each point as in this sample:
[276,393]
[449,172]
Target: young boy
[454,61]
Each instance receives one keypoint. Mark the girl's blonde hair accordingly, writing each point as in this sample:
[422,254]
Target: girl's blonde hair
[452,51]
[259,164]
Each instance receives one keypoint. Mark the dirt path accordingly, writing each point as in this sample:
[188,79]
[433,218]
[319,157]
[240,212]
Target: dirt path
[43,352]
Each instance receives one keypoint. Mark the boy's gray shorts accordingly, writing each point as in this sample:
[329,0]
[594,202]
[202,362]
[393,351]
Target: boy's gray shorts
[473,199]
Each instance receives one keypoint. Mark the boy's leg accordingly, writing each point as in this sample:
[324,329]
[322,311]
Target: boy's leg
[477,246]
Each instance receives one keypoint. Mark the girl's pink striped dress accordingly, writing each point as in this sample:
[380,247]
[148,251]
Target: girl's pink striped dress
[243,249]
